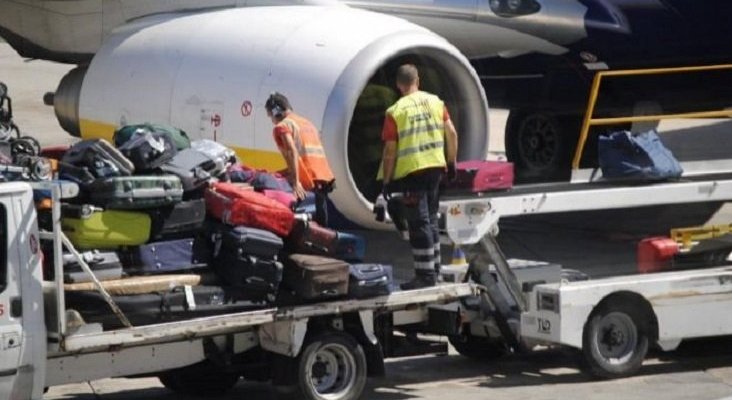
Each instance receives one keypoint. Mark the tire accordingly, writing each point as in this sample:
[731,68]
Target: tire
[477,348]
[613,344]
[540,144]
[203,380]
[330,366]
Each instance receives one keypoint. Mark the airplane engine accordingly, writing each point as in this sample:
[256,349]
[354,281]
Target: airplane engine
[210,74]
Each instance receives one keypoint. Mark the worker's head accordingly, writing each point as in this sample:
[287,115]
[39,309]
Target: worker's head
[407,78]
[277,106]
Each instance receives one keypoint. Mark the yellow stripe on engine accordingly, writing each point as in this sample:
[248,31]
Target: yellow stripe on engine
[253,158]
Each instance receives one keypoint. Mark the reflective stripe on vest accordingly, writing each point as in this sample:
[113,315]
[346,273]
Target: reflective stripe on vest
[421,130]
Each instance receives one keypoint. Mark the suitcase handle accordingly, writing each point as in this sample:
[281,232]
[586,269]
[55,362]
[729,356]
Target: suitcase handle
[374,282]
[329,292]
[255,280]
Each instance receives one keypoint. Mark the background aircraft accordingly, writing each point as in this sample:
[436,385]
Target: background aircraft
[207,67]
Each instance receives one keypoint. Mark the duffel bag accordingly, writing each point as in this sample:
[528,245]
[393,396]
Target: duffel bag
[624,155]
[179,137]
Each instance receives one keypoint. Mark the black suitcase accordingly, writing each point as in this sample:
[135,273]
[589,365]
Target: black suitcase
[244,240]
[136,192]
[166,256]
[95,158]
[369,280]
[180,303]
[256,279]
[105,265]
[184,218]
[149,150]
[316,277]
[194,168]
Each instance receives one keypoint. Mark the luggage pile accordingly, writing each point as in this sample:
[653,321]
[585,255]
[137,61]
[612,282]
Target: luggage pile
[177,229]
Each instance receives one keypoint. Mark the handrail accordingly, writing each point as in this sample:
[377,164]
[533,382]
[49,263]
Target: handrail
[595,89]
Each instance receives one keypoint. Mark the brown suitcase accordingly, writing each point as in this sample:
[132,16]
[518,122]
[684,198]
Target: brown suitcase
[316,277]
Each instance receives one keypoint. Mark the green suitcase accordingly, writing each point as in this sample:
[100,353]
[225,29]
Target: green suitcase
[108,229]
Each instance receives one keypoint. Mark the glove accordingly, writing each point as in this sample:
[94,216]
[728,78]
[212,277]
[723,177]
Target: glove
[451,172]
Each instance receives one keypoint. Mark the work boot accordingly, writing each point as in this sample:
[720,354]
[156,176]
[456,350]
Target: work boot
[420,280]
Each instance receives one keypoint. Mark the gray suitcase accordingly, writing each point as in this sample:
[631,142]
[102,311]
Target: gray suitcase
[194,168]
[136,192]
[105,265]
[95,158]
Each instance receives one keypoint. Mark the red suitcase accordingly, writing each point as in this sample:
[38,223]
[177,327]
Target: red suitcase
[655,254]
[237,205]
[481,176]
[309,237]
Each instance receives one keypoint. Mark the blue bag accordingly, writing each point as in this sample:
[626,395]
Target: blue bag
[624,155]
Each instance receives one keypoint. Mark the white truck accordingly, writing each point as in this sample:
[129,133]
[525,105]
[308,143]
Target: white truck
[612,320]
[315,351]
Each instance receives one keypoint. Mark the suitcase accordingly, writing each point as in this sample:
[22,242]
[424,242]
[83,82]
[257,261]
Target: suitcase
[481,176]
[105,265]
[136,192]
[369,280]
[193,168]
[350,247]
[235,205]
[98,158]
[243,240]
[177,304]
[655,254]
[308,237]
[125,133]
[257,279]
[148,150]
[316,277]
[166,256]
[182,218]
[286,199]
[145,284]
[220,154]
[108,229]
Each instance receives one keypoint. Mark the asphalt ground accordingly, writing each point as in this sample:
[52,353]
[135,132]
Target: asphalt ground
[699,370]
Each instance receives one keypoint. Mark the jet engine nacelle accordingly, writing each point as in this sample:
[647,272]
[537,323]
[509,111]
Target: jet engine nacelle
[210,74]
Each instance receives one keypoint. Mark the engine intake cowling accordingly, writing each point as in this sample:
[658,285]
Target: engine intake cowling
[210,74]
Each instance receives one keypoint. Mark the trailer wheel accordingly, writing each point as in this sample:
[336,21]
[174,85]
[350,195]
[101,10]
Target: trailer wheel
[613,344]
[203,379]
[477,348]
[331,366]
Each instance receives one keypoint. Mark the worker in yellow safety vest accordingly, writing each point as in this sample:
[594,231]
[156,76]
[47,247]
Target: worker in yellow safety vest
[299,142]
[420,145]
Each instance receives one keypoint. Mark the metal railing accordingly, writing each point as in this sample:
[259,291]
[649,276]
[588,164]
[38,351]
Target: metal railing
[589,119]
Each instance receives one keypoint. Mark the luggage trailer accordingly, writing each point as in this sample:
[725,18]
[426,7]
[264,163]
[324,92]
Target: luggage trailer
[612,320]
[313,351]
[323,350]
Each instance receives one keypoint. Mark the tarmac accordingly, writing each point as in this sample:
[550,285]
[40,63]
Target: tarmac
[698,370]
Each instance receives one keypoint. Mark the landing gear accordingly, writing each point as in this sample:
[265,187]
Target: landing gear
[540,144]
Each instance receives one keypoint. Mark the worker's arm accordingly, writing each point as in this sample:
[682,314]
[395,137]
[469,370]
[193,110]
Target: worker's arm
[291,156]
[389,160]
[451,141]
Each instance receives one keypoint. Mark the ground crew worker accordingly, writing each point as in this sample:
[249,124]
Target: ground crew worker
[299,142]
[420,144]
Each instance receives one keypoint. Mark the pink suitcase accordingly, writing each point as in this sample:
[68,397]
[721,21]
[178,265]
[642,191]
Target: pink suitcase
[481,176]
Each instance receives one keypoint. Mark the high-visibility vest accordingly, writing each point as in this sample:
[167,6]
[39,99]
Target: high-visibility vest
[312,164]
[421,129]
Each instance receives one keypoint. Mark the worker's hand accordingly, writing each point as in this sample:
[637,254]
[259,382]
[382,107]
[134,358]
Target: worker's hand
[298,191]
[451,172]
